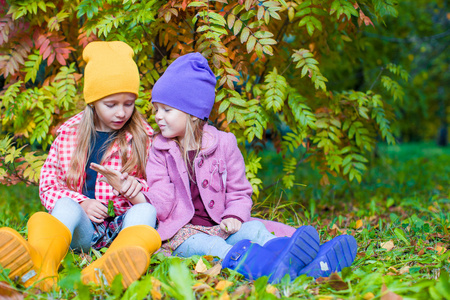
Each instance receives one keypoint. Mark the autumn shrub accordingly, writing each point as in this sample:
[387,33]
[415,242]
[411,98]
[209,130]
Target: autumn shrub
[271,59]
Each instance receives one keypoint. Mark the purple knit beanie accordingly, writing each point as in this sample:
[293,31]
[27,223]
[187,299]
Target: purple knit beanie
[188,84]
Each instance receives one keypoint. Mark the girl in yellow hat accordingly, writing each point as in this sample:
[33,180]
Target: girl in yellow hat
[109,135]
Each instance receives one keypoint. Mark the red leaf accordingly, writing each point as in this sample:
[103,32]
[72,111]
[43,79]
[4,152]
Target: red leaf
[51,58]
[45,48]
[60,59]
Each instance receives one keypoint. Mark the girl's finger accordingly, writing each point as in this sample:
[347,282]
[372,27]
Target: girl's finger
[97,168]
[125,186]
[134,189]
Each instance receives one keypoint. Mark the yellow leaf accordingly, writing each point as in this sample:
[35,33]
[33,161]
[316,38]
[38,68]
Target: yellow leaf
[440,250]
[433,209]
[392,269]
[389,245]
[156,287]
[271,289]
[200,267]
[224,296]
[223,284]
[358,224]
[368,296]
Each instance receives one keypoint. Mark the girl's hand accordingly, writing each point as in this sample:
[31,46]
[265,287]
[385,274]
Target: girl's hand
[230,225]
[124,184]
[95,210]
[131,187]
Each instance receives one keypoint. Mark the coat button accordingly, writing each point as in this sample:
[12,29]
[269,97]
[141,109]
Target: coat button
[211,204]
[205,183]
[200,163]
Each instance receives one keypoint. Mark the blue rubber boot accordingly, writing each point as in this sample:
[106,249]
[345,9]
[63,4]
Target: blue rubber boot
[333,256]
[254,261]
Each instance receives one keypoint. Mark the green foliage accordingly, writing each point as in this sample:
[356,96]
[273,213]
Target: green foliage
[273,60]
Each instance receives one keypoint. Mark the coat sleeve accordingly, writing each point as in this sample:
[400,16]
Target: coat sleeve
[161,190]
[238,193]
[52,182]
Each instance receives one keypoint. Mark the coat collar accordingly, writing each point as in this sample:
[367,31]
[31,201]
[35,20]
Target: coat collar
[209,141]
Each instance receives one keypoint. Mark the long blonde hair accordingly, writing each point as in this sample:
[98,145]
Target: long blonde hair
[86,136]
[192,137]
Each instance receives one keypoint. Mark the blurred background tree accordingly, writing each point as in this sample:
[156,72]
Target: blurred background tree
[322,81]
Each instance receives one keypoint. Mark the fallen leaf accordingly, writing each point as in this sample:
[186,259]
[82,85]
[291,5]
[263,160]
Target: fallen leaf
[404,269]
[391,274]
[337,228]
[214,271]
[321,280]
[389,245]
[200,267]
[433,209]
[368,296]
[201,287]
[224,296]
[393,269]
[223,284]
[7,292]
[388,295]
[272,290]
[244,290]
[156,289]
[337,283]
[440,249]
[85,256]
[421,252]
[358,224]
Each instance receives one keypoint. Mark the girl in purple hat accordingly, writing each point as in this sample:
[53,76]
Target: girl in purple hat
[197,183]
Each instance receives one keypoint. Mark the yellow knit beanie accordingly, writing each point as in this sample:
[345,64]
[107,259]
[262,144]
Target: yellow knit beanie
[110,69]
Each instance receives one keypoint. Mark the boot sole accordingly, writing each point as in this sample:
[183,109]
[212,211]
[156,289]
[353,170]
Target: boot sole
[131,262]
[15,256]
[300,250]
[333,256]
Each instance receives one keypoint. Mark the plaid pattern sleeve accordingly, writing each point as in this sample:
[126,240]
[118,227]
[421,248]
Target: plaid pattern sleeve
[52,183]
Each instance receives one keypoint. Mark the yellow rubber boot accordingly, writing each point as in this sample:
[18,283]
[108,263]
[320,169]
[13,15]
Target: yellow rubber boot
[15,254]
[129,255]
[50,239]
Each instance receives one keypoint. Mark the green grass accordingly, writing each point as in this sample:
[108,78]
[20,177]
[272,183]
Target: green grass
[403,200]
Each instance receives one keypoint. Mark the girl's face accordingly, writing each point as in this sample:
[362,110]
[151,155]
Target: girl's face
[171,121]
[114,111]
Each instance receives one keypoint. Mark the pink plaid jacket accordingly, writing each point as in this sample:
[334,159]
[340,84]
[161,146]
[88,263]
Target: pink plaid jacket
[52,183]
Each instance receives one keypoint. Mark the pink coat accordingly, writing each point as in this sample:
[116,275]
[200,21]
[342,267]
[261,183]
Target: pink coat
[220,175]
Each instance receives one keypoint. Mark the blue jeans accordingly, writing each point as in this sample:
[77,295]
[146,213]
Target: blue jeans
[204,244]
[70,213]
